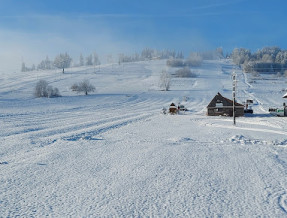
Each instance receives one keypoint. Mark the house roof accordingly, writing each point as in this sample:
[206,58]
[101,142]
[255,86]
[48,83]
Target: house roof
[225,101]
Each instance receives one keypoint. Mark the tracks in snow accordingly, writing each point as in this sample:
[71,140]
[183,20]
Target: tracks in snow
[37,130]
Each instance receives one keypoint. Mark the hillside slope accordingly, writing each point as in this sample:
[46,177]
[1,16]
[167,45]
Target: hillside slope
[112,153]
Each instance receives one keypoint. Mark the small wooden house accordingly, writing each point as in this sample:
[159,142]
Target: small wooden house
[172,109]
[221,106]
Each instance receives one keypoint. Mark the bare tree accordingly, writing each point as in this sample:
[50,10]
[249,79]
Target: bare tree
[164,82]
[83,86]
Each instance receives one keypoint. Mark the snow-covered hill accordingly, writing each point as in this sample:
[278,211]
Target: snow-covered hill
[113,154]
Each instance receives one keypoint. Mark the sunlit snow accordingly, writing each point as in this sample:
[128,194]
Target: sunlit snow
[113,153]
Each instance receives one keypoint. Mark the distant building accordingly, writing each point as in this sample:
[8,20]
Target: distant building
[221,106]
[172,109]
[279,112]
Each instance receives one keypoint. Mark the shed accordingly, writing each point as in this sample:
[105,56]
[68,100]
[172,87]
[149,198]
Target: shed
[172,109]
[221,106]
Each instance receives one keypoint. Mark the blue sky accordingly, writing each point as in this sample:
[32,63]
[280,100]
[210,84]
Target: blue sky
[32,29]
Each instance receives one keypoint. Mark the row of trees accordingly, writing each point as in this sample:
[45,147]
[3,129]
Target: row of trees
[62,61]
[194,60]
[90,60]
[43,89]
[267,59]
[150,54]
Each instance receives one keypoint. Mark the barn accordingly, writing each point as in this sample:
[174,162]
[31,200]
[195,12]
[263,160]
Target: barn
[221,106]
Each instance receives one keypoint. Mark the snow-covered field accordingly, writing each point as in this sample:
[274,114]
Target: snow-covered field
[113,154]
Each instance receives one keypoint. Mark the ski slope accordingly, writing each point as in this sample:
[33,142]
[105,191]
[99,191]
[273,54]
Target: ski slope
[113,154]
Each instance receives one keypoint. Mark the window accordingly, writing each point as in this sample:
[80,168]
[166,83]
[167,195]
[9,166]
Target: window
[218,109]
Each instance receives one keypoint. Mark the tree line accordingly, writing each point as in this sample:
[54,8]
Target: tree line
[267,60]
[62,61]
[150,54]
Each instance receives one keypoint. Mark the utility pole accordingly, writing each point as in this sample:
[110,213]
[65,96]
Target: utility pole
[233,94]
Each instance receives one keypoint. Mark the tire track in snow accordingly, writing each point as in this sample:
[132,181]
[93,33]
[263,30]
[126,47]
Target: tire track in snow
[39,124]
[81,134]
[282,201]
[252,96]
[77,123]
[267,172]
[89,133]
[274,185]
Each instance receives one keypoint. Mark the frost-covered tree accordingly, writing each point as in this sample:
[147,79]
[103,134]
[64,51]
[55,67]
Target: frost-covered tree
[110,58]
[63,61]
[81,60]
[41,89]
[179,55]
[194,60]
[281,57]
[164,81]
[219,52]
[45,64]
[23,68]
[89,60]
[147,53]
[53,92]
[83,86]
[267,58]
[240,55]
[96,59]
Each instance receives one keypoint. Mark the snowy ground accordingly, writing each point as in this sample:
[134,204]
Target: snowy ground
[112,153]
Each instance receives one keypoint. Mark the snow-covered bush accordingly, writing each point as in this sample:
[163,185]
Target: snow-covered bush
[83,86]
[185,72]
[175,63]
[53,92]
[42,89]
